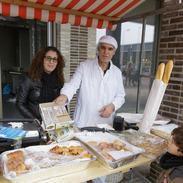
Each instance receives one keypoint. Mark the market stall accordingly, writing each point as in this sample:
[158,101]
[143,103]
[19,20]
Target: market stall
[63,169]
[116,152]
[90,14]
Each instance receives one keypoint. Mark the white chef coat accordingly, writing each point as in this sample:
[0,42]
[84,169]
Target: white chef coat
[96,90]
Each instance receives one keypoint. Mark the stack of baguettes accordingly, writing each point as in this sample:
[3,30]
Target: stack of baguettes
[155,96]
[164,71]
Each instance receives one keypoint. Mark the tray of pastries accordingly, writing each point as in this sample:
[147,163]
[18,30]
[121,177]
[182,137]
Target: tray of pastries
[153,145]
[109,149]
[38,162]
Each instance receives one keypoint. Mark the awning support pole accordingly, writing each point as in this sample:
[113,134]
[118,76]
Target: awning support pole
[49,34]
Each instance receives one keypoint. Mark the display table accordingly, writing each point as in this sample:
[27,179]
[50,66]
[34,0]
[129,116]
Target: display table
[94,170]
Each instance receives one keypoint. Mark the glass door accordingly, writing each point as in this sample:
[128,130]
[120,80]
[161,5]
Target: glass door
[148,62]
[137,62]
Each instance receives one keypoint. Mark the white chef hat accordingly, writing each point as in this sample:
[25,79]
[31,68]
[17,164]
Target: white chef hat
[109,40]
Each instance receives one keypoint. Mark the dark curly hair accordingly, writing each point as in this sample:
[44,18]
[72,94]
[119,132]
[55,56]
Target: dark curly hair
[36,69]
[177,135]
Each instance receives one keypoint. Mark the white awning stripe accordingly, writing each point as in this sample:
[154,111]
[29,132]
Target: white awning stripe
[106,8]
[120,7]
[14,10]
[79,5]
[30,13]
[95,13]
[94,6]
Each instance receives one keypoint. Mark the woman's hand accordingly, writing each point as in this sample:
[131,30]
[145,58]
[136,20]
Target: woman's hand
[61,100]
[107,110]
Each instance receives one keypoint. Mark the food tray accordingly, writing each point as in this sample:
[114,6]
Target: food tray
[39,162]
[153,145]
[164,131]
[111,157]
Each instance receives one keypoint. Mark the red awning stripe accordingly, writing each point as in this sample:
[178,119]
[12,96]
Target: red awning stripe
[37,14]
[108,8]
[119,8]
[77,20]
[65,18]
[131,5]
[100,24]
[72,4]
[93,6]
[22,12]
[43,15]
[64,4]
[41,1]
[57,3]
[52,15]
[101,6]
[87,5]
[89,22]
[111,26]
[5,9]
[119,3]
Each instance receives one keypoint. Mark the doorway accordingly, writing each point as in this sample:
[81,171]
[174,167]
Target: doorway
[137,61]
[14,54]
[20,39]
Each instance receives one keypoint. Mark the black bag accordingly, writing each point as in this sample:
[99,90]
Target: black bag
[28,125]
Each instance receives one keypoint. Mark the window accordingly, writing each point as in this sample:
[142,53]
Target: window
[137,62]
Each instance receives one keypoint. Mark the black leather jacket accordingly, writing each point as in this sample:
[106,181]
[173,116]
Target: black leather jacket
[28,97]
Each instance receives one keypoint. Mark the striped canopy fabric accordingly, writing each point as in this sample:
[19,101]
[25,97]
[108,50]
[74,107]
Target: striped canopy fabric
[90,13]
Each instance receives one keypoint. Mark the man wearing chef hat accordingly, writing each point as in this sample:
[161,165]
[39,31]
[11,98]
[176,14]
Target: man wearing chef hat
[100,84]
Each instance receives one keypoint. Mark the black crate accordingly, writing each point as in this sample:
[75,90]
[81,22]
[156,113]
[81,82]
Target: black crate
[28,124]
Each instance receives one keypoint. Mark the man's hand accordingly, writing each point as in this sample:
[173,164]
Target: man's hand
[61,100]
[107,110]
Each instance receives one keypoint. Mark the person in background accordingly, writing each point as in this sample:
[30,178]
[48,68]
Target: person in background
[129,71]
[42,83]
[172,160]
[100,84]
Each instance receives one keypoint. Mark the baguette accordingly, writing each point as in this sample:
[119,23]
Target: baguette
[168,70]
[160,71]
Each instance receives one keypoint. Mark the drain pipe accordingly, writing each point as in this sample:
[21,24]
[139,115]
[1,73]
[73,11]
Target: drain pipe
[49,34]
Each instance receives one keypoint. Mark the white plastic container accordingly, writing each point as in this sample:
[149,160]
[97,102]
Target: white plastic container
[42,164]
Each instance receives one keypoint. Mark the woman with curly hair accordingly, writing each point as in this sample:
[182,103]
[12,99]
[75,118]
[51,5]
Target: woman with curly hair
[42,83]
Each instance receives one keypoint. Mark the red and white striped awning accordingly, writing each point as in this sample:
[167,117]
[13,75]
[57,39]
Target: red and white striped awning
[90,13]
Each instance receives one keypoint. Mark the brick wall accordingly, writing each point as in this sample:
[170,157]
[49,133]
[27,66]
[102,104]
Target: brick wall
[91,43]
[76,43]
[171,47]
[63,40]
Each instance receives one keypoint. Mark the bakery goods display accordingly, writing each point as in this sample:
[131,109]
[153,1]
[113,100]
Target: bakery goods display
[153,145]
[15,162]
[75,155]
[70,151]
[109,149]
[71,154]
